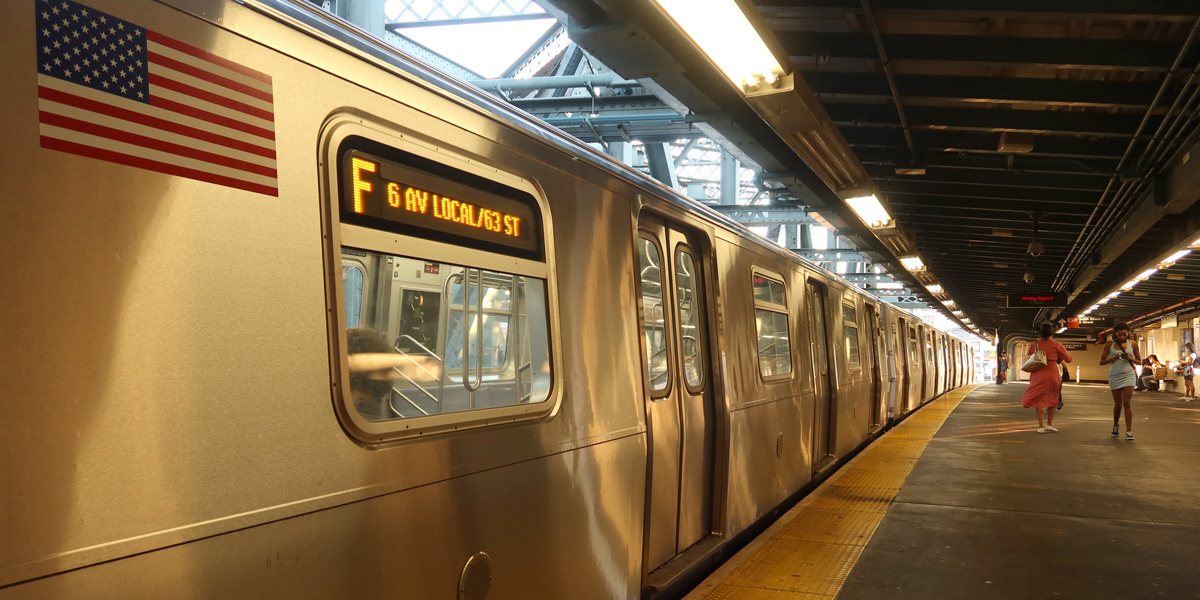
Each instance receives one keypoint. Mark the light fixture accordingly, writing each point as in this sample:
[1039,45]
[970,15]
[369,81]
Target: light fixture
[1172,259]
[722,31]
[957,313]
[1195,244]
[1114,294]
[1028,277]
[1000,265]
[870,210]
[1061,329]
[1095,307]
[886,285]
[934,289]
[948,303]
[1129,284]
[1104,301]
[1146,274]
[913,263]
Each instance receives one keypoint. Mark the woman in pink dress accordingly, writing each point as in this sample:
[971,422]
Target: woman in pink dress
[1044,383]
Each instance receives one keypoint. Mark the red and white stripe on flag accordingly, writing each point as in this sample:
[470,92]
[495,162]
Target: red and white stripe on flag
[203,117]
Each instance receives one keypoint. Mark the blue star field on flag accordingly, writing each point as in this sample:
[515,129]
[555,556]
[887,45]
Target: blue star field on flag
[85,46]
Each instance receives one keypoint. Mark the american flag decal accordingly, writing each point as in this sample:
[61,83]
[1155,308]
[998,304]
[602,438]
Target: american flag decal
[111,90]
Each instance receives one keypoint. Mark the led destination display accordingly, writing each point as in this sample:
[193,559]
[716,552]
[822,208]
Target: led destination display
[451,206]
[1037,300]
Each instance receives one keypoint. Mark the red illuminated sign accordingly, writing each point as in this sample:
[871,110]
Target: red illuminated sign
[1037,300]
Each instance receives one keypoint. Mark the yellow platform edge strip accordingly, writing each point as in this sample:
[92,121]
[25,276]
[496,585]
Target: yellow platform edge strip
[808,553]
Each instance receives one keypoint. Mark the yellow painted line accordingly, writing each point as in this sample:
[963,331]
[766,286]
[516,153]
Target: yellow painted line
[808,553]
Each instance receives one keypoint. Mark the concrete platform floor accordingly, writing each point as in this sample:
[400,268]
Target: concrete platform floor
[994,510]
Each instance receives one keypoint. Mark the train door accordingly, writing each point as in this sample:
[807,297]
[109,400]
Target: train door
[819,350]
[898,361]
[679,407]
[922,342]
[875,360]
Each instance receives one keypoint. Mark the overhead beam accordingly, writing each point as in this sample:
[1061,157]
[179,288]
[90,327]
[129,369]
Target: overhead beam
[986,142]
[1138,55]
[832,255]
[1008,90]
[643,103]
[397,25]
[1119,10]
[990,118]
[748,215]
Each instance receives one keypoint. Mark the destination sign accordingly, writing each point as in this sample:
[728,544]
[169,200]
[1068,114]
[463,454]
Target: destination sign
[1075,347]
[1037,300]
[450,206]
[1095,322]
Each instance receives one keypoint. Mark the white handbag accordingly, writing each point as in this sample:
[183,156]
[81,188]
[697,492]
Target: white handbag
[1036,361]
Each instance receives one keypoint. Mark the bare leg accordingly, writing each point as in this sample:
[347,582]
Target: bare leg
[1050,415]
[1191,389]
[1039,410]
[1117,407]
[1127,401]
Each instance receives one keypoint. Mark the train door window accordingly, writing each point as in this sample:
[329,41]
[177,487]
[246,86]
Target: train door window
[687,277]
[850,327]
[446,290]
[654,324]
[771,323]
[420,314]
[352,289]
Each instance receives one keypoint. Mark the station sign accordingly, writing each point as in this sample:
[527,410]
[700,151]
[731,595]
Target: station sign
[1073,323]
[1037,300]
[1075,346]
[1170,321]
[1101,322]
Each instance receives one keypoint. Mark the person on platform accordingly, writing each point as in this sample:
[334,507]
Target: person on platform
[1189,371]
[1002,375]
[1045,384]
[1122,359]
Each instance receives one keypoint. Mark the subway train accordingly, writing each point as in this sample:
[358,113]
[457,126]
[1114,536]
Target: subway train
[288,314]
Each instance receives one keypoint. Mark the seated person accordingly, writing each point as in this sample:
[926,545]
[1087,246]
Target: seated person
[1146,377]
[371,361]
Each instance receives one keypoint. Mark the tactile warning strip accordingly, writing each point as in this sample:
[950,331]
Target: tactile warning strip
[813,548]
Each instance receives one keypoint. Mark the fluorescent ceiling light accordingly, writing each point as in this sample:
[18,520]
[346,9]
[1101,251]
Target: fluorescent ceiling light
[1104,300]
[948,302]
[870,210]
[1095,307]
[957,313]
[935,289]
[1114,294]
[1146,274]
[1129,285]
[1195,244]
[1172,259]
[722,31]
[884,285]
[1061,330]
[913,263]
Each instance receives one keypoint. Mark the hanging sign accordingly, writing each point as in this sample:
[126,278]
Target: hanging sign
[1037,300]
[1169,321]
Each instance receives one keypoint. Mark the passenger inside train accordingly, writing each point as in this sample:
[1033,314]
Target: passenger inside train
[372,364]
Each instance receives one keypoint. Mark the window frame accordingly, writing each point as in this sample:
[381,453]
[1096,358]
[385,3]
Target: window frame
[701,316]
[333,141]
[756,305]
[668,339]
[848,324]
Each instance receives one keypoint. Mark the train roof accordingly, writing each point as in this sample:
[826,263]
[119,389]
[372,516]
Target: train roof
[340,32]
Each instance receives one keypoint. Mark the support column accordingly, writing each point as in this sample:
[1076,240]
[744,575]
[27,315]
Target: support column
[367,14]
[806,236]
[792,242]
[729,178]
[662,167]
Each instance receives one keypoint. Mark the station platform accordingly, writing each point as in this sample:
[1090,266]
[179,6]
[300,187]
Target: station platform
[964,499]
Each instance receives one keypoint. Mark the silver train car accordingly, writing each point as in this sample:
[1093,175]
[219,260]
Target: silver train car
[287,314]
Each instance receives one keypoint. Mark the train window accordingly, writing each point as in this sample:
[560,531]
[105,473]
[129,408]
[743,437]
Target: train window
[452,356]
[771,323]
[446,301]
[850,327]
[654,324]
[687,276]
[352,286]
